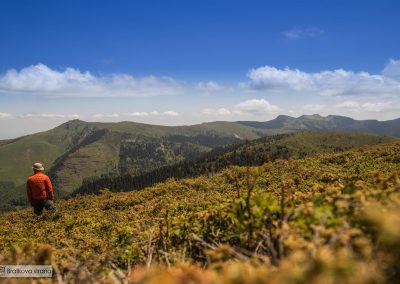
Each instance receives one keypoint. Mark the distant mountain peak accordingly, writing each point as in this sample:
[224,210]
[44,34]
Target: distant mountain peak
[338,117]
[73,124]
[76,121]
[284,116]
[311,116]
[316,122]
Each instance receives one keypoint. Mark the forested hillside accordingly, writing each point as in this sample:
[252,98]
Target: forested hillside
[248,153]
[331,218]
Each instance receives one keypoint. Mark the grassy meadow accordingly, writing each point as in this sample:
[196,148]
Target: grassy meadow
[330,218]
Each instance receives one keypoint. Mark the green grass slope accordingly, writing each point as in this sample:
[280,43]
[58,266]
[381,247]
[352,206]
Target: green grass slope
[331,218]
[129,147]
[76,150]
[18,155]
[218,128]
[251,153]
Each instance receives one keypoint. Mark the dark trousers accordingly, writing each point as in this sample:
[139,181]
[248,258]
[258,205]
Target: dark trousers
[38,205]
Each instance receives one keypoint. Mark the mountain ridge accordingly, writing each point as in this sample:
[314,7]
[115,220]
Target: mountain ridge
[328,123]
[78,149]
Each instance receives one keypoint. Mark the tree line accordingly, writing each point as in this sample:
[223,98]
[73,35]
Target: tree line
[247,153]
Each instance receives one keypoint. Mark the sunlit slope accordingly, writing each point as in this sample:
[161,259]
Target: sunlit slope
[218,128]
[281,220]
[135,148]
[17,155]
[76,150]
[251,153]
[98,157]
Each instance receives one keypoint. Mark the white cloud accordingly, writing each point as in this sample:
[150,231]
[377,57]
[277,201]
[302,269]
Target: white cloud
[151,113]
[170,113]
[49,115]
[358,107]
[208,111]
[102,115]
[221,111]
[135,114]
[326,83]
[375,107]
[348,105]
[143,113]
[256,107]
[41,80]
[392,69]
[298,33]
[4,115]
[314,107]
[209,86]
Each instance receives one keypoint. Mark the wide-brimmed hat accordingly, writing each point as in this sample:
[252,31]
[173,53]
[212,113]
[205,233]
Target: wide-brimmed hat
[38,167]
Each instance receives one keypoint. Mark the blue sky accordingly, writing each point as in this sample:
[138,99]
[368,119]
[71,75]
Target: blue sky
[184,62]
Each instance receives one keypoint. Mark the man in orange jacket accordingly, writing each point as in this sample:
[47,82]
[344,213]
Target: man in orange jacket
[40,190]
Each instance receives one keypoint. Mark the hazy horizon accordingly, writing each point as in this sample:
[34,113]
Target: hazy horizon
[40,128]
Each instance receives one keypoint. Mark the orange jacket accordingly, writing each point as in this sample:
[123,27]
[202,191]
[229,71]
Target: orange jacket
[39,187]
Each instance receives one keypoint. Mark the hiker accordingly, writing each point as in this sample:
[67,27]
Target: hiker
[40,190]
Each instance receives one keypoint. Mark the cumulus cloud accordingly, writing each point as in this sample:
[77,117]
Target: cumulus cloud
[326,83]
[143,113]
[208,111]
[314,107]
[221,111]
[256,107]
[392,69]
[50,115]
[298,33]
[4,115]
[102,115]
[170,113]
[355,106]
[375,107]
[153,113]
[42,80]
[135,114]
[252,107]
[209,86]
